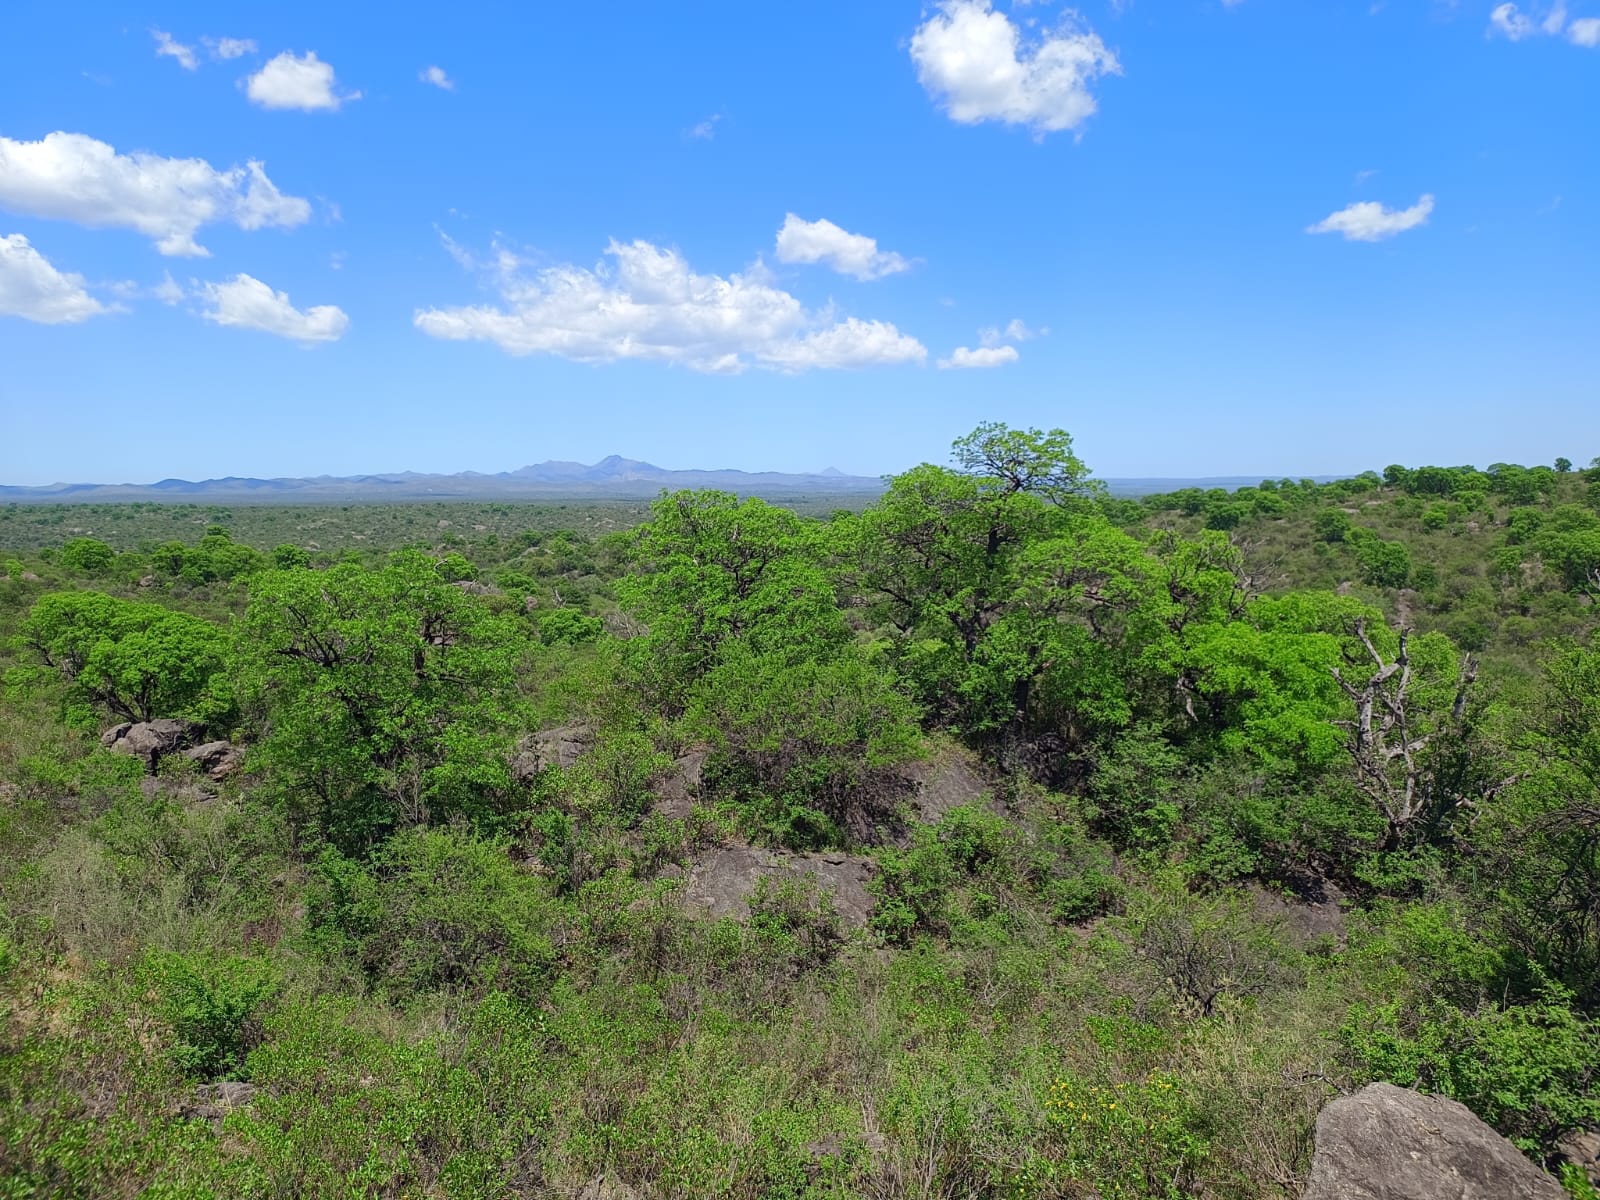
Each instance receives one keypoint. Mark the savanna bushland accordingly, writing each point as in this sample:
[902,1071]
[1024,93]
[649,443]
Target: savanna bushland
[1003,838]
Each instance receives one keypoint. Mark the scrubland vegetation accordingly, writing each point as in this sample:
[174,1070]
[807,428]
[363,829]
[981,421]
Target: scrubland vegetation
[1177,816]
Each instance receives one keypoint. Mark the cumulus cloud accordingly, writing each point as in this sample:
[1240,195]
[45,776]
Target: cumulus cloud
[73,177]
[645,303]
[31,288]
[855,254]
[977,63]
[167,47]
[303,81]
[963,358]
[437,77]
[1510,22]
[1370,221]
[229,48]
[244,302]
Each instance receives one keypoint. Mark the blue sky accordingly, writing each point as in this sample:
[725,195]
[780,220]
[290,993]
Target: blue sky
[785,237]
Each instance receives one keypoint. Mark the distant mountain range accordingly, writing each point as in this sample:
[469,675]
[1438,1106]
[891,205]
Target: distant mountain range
[613,478]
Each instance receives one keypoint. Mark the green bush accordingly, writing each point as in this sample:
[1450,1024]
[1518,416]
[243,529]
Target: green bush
[212,1006]
[436,909]
[1530,1070]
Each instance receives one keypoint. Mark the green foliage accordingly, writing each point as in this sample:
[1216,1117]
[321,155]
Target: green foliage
[1333,525]
[1130,1141]
[211,1006]
[387,697]
[436,909]
[1529,1069]
[1210,950]
[135,659]
[568,627]
[715,570]
[448,981]
[1383,564]
[87,556]
[286,556]
[810,746]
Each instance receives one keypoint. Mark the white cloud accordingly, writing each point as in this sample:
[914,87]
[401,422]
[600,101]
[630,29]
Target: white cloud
[244,302]
[974,60]
[33,289]
[168,291]
[437,77]
[801,241]
[984,356]
[1370,221]
[168,48]
[705,130]
[645,303]
[228,48]
[1585,32]
[1510,22]
[1016,330]
[73,177]
[296,81]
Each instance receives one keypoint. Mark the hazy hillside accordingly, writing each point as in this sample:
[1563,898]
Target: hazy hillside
[997,833]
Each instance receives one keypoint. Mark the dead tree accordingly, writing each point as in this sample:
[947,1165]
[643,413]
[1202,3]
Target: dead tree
[1389,742]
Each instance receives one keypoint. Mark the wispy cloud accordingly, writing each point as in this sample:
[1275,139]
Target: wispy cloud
[1369,221]
[168,47]
[437,77]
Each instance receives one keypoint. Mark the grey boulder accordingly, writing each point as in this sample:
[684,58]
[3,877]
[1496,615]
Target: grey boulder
[149,740]
[217,759]
[1390,1143]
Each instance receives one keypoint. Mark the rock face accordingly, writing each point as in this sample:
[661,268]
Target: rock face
[559,747]
[1582,1149]
[149,740]
[214,1101]
[945,782]
[675,791]
[217,759]
[1390,1143]
[722,882]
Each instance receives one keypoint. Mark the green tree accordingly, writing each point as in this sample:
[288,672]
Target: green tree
[135,659]
[809,745]
[386,697]
[1333,524]
[288,556]
[711,570]
[87,555]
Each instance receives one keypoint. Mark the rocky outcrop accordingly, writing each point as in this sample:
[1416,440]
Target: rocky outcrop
[149,740]
[675,791]
[948,780]
[1390,1143]
[214,1101]
[722,880]
[1581,1148]
[217,759]
[558,747]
